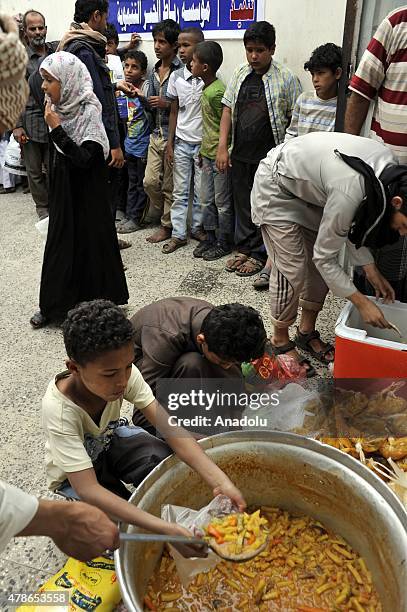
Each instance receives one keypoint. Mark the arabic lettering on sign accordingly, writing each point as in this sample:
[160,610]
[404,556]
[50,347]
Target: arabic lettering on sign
[211,15]
[245,11]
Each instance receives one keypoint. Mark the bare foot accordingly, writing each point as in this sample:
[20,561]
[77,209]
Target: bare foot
[160,235]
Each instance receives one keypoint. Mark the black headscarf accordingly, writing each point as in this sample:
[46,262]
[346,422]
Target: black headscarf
[371,224]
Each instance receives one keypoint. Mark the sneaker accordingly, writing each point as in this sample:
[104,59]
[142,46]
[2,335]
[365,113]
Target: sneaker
[129,226]
[202,248]
[216,252]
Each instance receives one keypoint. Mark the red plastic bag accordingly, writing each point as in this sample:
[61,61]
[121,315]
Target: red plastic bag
[271,369]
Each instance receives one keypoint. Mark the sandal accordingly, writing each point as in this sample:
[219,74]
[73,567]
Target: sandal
[173,245]
[262,281]
[234,262]
[303,341]
[291,346]
[255,266]
[38,320]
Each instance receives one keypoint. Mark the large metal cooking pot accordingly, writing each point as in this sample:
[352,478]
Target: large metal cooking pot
[294,473]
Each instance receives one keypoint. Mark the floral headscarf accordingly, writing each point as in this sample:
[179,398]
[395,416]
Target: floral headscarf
[79,109]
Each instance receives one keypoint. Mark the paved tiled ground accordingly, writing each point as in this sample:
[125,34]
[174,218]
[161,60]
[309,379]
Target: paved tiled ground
[30,358]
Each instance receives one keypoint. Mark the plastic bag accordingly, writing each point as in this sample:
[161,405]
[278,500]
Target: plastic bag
[92,585]
[273,370]
[13,161]
[42,227]
[288,414]
[195,520]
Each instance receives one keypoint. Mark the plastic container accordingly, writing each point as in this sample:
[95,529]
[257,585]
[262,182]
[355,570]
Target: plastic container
[363,351]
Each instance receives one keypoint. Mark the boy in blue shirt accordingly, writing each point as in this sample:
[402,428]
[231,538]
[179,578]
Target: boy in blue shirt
[136,142]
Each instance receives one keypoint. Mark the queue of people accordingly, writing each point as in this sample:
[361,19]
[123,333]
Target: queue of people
[185,137]
[268,178]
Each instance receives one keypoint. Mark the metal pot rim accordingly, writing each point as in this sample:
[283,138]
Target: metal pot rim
[272,437]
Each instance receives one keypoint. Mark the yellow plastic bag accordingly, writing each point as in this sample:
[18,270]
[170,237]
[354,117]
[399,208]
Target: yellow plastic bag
[92,586]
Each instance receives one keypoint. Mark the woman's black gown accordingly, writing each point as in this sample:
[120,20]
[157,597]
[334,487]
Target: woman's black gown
[82,258]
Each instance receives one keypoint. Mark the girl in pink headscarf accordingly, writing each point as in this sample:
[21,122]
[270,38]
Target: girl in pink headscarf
[82,259]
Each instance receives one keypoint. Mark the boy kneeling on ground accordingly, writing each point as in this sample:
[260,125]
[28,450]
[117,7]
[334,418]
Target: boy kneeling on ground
[91,450]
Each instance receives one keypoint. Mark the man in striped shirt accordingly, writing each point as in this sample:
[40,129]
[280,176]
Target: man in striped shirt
[381,76]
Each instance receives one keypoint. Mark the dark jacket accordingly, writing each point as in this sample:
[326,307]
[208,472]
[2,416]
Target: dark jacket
[93,57]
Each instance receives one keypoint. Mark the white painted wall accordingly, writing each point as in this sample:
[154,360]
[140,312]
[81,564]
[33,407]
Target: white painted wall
[301,25]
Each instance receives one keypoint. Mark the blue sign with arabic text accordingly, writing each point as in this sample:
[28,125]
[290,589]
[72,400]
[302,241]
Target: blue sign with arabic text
[226,16]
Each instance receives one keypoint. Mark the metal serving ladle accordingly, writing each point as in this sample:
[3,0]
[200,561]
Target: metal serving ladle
[203,544]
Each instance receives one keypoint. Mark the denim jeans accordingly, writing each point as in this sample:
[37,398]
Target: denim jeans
[136,196]
[186,162]
[216,197]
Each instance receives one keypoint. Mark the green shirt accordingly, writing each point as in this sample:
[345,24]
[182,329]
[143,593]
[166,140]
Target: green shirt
[211,116]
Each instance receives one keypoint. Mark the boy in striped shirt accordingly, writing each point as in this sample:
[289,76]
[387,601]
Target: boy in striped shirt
[315,111]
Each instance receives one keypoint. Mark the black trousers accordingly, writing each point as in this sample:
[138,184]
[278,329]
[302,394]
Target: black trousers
[248,238]
[132,455]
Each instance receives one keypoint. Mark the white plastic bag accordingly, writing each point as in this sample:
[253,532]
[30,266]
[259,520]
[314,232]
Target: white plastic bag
[13,161]
[42,227]
[290,412]
[195,520]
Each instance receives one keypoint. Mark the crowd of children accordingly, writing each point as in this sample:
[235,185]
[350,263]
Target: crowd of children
[176,138]
[206,140]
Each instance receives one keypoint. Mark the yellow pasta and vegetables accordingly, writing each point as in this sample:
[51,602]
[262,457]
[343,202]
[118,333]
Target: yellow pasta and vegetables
[304,568]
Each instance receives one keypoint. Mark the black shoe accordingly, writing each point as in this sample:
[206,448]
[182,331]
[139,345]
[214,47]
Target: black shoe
[4,190]
[216,252]
[123,244]
[38,320]
[202,248]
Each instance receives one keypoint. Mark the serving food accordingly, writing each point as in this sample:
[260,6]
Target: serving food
[238,536]
[304,568]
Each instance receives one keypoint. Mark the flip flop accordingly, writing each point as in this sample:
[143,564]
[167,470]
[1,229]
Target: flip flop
[303,342]
[291,346]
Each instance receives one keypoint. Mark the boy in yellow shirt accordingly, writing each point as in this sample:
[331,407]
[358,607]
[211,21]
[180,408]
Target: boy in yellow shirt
[91,450]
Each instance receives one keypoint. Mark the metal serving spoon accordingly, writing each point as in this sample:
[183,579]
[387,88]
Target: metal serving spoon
[217,548]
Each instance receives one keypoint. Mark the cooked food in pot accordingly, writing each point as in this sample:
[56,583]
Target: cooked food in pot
[238,536]
[304,568]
